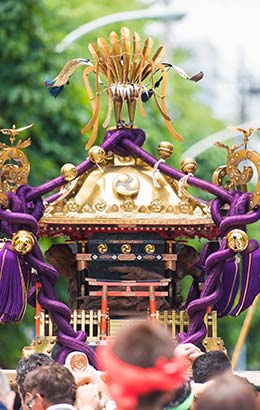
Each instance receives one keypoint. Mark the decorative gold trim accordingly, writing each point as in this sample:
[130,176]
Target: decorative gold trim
[158,219]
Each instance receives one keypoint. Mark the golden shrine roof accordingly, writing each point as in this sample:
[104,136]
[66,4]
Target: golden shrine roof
[126,190]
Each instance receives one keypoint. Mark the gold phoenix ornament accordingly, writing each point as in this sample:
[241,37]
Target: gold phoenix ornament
[125,72]
[14,164]
[239,176]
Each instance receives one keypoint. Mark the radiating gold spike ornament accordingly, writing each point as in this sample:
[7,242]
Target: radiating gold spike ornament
[124,72]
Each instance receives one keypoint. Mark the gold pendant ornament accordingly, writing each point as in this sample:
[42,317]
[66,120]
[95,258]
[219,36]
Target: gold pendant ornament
[237,240]
[23,242]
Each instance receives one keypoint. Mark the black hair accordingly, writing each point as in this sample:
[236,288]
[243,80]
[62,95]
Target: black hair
[209,365]
[180,395]
[27,364]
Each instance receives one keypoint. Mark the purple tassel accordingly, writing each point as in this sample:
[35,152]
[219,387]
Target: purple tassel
[14,277]
[250,286]
[230,284]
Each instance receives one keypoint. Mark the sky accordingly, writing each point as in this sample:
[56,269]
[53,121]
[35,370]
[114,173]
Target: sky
[225,34]
[223,37]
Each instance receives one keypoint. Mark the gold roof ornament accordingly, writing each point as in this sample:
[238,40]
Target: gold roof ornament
[14,164]
[124,193]
[128,75]
[239,177]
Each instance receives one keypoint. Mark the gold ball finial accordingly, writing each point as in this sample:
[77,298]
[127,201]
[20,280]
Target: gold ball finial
[189,166]
[23,242]
[96,154]
[165,149]
[68,172]
[237,240]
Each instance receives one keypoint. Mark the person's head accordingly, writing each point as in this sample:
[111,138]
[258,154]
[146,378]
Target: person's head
[49,385]
[26,365]
[228,392]
[209,365]
[7,396]
[141,367]
[183,398]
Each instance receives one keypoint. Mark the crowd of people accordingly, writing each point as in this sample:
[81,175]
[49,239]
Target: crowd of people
[142,369]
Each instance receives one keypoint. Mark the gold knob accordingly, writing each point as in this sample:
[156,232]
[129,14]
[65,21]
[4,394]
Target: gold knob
[96,154]
[165,149]
[68,172]
[189,166]
[237,240]
[23,242]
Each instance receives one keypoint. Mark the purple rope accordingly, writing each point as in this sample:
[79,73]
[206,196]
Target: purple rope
[166,169]
[127,140]
[59,312]
[112,140]
[212,289]
[210,294]
[238,220]
[46,273]
[230,285]
[250,286]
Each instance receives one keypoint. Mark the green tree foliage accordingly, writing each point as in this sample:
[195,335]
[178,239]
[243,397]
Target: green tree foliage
[29,31]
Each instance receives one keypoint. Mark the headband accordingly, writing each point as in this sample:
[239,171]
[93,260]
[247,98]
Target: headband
[185,405]
[127,382]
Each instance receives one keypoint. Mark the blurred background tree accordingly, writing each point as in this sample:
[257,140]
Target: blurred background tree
[29,31]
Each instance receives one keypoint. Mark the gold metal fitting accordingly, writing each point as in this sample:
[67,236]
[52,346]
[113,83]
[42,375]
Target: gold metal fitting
[126,248]
[102,248]
[165,149]
[96,154]
[68,172]
[189,166]
[149,248]
[237,240]
[23,242]
[3,200]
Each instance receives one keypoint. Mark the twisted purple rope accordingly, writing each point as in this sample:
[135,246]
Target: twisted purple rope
[59,312]
[166,169]
[12,221]
[112,140]
[212,289]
